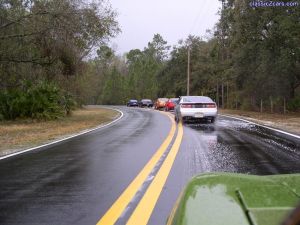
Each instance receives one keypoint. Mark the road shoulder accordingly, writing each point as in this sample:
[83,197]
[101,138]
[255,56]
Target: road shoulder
[288,123]
[21,136]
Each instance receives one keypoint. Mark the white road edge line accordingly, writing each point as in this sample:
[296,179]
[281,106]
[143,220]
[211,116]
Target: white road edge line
[64,139]
[260,125]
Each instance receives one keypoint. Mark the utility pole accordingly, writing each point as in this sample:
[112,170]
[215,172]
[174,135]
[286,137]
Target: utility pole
[188,74]
[223,56]
[221,53]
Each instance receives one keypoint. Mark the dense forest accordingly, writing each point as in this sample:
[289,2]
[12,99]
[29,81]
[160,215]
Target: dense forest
[44,49]
[250,61]
[55,54]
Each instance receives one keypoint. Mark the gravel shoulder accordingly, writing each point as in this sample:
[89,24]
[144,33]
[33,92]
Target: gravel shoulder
[289,122]
[22,134]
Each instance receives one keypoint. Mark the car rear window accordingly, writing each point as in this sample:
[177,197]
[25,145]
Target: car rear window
[163,99]
[197,99]
[146,100]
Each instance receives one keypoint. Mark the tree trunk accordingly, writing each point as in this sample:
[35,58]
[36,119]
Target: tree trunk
[217,97]
[271,103]
[284,106]
[223,95]
[227,95]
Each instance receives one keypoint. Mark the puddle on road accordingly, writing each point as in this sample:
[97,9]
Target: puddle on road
[237,146]
[209,153]
[274,138]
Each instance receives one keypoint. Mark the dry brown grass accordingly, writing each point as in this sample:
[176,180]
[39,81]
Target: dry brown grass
[20,134]
[288,122]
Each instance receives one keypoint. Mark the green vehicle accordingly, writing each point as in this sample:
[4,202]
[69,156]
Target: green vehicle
[237,199]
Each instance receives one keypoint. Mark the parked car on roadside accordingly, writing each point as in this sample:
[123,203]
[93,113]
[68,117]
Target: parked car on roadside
[132,103]
[146,103]
[171,103]
[196,108]
[160,103]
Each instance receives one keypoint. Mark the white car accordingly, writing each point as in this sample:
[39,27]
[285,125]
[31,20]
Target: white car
[196,108]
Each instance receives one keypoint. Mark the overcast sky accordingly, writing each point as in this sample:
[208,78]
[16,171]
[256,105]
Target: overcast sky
[173,19]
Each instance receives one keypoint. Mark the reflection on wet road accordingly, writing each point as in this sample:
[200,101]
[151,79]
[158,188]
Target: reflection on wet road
[236,146]
[228,146]
[76,182]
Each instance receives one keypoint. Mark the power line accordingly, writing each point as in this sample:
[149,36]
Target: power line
[199,14]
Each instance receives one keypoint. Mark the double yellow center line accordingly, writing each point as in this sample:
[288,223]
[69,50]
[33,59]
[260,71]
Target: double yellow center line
[145,207]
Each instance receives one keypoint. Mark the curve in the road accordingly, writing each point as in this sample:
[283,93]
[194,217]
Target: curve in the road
[76,181]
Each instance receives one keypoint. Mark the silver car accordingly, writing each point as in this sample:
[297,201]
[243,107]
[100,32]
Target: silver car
[196,108]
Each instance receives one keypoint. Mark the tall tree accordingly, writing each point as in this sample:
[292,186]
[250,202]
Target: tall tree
[49,38]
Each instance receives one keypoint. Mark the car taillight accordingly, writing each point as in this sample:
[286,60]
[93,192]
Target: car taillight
[186,106]
[211,105]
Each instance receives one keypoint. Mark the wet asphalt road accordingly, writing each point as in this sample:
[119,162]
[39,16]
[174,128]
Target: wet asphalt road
[76,181]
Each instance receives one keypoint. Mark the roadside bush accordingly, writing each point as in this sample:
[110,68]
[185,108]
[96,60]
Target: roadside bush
[11,104]
[246,104]
[41,101]
[68,103]
[294,104]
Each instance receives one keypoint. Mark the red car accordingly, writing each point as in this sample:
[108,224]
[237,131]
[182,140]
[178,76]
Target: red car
[171,103]
[160,103]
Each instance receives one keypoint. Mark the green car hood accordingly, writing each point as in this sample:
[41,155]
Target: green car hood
[236,199]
